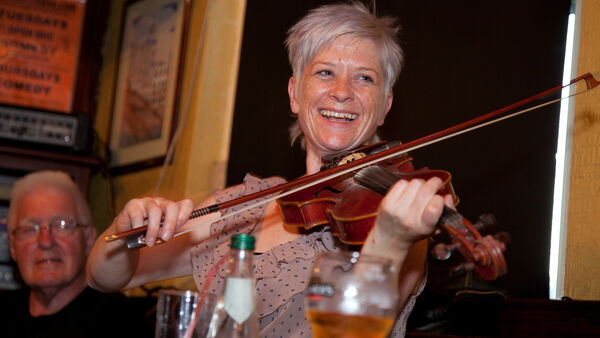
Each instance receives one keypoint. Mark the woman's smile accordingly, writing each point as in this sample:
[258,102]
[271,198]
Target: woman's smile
[338,116]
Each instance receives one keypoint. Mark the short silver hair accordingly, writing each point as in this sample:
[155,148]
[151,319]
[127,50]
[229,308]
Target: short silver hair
[47,179]
[323,25]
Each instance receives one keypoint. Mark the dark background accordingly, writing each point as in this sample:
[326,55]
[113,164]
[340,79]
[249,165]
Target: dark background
[463,59]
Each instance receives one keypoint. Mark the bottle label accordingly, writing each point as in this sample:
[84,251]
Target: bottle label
[239,298]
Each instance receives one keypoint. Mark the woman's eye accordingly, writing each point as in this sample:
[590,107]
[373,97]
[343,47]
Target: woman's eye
[325,72]
[366,78]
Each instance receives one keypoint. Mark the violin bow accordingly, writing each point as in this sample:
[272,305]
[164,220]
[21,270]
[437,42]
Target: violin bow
[136,237]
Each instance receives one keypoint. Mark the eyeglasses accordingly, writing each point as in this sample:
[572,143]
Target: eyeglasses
[60,226]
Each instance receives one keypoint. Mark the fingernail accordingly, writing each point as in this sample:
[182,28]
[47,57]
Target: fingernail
[166,235]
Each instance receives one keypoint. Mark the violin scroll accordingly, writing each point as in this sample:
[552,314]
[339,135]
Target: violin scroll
[484,254]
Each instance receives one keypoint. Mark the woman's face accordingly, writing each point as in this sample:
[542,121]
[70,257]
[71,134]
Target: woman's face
[340,98]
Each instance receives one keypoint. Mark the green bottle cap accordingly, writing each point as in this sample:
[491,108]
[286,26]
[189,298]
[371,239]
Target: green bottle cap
[242,242]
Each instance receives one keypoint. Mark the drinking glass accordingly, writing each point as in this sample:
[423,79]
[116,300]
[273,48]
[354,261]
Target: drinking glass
[176,311]
[205,311]
[352,295]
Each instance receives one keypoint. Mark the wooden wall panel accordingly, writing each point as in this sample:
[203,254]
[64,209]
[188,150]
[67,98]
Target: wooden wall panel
[582,262]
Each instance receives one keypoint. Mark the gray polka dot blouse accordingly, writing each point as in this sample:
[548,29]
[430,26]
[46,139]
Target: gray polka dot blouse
[281,273]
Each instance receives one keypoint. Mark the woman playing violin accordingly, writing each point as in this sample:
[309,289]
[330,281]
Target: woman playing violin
[345,61]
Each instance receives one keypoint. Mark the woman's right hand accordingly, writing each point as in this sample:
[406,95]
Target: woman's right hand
[150,211]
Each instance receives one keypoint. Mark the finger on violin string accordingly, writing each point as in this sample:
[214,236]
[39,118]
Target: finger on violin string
[397,190]
[417,204]
[426,190]
[449,201]
[432,212]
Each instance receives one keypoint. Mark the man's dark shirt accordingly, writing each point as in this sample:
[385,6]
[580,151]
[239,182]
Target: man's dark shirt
[91,314]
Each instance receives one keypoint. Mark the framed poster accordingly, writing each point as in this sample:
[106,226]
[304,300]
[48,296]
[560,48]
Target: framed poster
[40,42]
[147,82]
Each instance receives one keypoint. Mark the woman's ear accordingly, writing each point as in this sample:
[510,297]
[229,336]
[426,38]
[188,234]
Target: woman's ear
[388,106]
[292,94]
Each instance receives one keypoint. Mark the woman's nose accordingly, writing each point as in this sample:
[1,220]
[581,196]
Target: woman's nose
[342,89]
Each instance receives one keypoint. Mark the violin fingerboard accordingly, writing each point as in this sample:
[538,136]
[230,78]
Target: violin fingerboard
[376,178]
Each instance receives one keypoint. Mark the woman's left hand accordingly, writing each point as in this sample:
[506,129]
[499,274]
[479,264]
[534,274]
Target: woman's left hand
[409,212]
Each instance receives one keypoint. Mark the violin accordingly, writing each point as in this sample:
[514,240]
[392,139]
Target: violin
[349,205]
[376,172]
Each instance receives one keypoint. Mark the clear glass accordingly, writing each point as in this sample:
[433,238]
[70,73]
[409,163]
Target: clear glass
[205,310]
[352,295]
[176,311]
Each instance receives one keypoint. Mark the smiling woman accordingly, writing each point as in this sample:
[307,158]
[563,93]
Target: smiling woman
[340,93]
[340,99]
[461,60]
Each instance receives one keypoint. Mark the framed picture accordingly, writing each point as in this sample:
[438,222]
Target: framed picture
[147,83]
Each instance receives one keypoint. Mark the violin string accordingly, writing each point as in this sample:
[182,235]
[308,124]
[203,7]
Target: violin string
[369,163]
[376,178]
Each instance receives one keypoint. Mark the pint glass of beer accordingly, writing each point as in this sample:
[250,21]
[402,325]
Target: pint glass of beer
[351,295]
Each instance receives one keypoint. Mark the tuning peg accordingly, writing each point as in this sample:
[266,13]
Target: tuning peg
[504,238]
[442,251]
[485,223]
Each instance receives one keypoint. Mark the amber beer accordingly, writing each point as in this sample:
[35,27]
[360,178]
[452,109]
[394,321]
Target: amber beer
[331,324]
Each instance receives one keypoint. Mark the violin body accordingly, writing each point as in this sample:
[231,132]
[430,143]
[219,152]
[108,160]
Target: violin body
[350,207]
[329,205]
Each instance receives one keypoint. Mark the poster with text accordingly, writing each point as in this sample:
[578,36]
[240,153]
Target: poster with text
[39,51]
